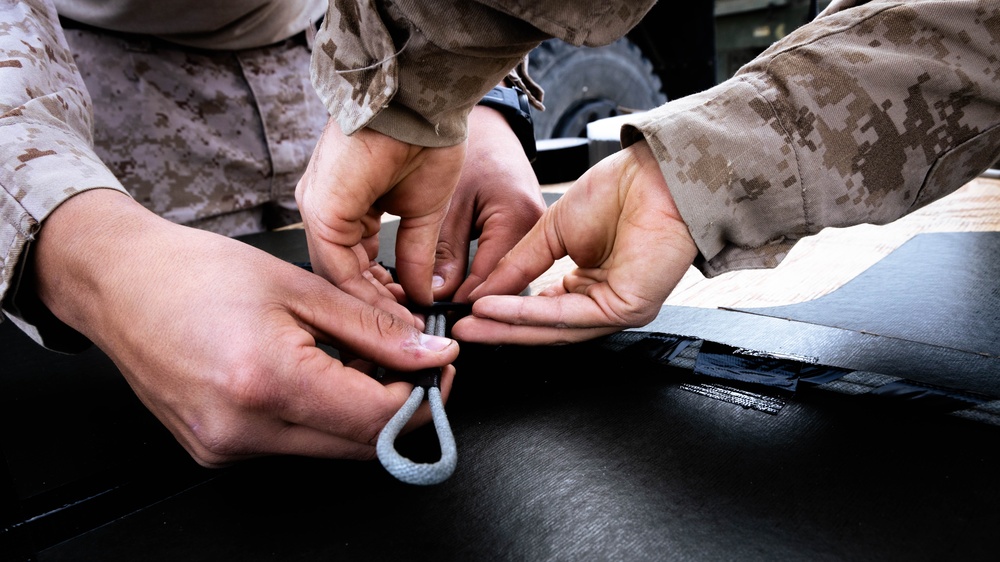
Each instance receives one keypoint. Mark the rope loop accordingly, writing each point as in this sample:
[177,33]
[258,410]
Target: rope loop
[404,469]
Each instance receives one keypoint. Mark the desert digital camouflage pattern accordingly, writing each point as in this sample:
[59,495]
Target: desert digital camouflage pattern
[448,54]
[873,110]
[210,139]
[861,117]
[205,24]
[213,140]
[45,124]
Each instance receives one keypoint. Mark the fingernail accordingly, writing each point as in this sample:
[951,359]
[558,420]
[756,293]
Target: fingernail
[434,343]
[437,282]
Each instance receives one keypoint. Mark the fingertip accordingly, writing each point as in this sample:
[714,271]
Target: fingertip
[399,390]
[421,351]
[422,298]
[435,343]
[447,381]
[397,292]
[481,329]
[481,290]
[471,283]
[445,282]
[458,330]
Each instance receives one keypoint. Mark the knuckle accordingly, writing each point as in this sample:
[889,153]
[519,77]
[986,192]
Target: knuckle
[209,459]
[446,251]
[222,433]
[358,453]
[386,325]
[529,209]
[634,313]
[367,430]
[218,443]
[474,279]
[251,388]
[367,454]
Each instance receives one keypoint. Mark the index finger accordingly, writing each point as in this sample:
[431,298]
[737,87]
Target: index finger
[534,320]
[416,242]
[345,403]
[531,257]
[498,236]
[342,267]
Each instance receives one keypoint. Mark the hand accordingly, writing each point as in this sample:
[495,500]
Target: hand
[497,201]
[218,339]
[618,222]
[349,183]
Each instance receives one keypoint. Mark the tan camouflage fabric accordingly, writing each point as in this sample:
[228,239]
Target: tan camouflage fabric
[863,116]
[213,140]
[413,69]
[205,24]
[45,124]
[874,110]
[210,139]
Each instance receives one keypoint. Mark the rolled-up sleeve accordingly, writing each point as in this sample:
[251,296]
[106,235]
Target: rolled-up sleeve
[413,70]
[46,155]
[862,116]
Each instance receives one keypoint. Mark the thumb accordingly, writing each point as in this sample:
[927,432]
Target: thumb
[452,257]
[370,332]
[416,242]
[531,257]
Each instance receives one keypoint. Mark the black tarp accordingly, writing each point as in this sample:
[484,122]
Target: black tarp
[592,451]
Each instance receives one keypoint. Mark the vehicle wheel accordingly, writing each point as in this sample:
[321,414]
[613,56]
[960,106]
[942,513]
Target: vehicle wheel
[583,84]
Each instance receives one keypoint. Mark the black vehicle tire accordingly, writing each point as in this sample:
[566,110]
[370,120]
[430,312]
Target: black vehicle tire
[583,84]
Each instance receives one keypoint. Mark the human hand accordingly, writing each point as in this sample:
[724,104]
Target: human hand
[618,222]
[349,183]
[497,200]
[218,339]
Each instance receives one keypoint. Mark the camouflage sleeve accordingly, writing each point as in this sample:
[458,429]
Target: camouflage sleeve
[46,155]
[862,116]
[413,70]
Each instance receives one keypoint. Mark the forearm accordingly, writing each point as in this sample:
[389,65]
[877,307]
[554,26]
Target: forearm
[89,241]
[859,117]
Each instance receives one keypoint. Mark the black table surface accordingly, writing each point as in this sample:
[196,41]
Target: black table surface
[565,453]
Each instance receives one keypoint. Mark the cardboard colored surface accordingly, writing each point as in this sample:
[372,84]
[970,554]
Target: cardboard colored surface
[940,289]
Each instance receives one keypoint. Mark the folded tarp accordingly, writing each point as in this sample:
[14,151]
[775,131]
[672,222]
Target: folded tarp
[605,450]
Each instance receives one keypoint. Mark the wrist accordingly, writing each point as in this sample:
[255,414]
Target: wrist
[650,174]
[77,249]
[513,104]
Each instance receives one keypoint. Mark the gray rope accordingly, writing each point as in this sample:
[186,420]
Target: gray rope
[421,474]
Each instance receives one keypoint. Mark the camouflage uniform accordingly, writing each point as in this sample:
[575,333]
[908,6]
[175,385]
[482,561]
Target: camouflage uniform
[868,113]
[214,139]
[862,116]
[874,110]
[222,151]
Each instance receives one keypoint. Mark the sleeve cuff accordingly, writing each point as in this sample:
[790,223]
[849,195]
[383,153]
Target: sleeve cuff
[732,173]
[23,307]
[357,70]
[24,210]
